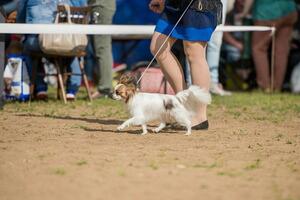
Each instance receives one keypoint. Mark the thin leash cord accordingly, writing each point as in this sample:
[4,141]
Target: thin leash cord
[154,57]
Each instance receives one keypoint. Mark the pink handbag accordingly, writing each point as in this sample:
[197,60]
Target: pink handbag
[153,81]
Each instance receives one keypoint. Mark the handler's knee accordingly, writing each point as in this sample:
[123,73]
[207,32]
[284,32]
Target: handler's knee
[195,52]
[161,46]
[160,52]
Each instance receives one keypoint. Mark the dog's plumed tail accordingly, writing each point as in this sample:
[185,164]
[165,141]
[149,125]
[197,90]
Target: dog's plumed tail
[193,96]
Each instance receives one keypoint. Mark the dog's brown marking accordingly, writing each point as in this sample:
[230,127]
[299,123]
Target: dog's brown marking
[168,104]
[127,79]
[130,92]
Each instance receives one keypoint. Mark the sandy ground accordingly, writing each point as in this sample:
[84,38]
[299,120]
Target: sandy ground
[82,157]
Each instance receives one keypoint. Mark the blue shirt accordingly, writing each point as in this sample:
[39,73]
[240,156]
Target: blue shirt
[272,9]
[42,11]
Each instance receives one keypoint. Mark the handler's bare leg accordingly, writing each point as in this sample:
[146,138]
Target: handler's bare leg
[167,61]
[195,53]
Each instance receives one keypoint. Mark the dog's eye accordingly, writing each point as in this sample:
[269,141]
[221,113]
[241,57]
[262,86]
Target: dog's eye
[117,92]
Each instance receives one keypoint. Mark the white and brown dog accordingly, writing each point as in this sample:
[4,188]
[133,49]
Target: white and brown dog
[148,107]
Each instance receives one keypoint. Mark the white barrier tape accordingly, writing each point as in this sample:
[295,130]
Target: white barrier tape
[76,29]
[114,30]
[244,28]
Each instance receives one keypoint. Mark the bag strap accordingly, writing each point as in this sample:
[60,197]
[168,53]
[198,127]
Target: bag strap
[56,18]
[68,11]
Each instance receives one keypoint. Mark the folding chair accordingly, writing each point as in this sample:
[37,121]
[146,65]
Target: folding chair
[79,15]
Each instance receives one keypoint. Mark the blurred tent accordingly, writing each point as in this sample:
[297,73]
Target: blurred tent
[133,12]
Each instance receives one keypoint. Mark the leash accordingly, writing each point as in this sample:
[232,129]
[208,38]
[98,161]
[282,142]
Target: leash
[154,57]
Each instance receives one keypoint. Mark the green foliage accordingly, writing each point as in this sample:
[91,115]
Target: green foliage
[258,106]
[254,165]
[82,162]
[60,171]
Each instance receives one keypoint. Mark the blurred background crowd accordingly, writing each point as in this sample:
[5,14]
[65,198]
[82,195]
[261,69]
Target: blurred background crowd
[243,62]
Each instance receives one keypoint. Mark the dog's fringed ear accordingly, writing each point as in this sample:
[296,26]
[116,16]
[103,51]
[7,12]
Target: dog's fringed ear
[130,93]
[128,79]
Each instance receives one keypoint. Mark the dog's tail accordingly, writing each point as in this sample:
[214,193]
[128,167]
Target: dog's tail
[193,97]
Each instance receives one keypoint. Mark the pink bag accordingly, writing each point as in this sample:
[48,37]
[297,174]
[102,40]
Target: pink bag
[153,81]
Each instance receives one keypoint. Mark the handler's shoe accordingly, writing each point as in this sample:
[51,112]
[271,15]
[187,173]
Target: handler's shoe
[102,94]
[217,89]
[41,95]
[202,126]
[70,97]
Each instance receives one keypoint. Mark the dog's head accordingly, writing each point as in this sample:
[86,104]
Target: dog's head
[126,88]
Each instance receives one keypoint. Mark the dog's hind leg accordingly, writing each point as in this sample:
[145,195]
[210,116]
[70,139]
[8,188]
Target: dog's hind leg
[189,130]
[188,125]
[144,126]
[160,127]
[184,120]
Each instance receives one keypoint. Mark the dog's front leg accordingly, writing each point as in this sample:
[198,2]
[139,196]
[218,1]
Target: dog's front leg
[189,130]
[144,126]
[160,127]
[127,123]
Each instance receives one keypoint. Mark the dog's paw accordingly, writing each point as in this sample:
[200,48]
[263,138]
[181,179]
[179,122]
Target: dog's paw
[144,133]
[156,130]
[120,128]
[188,133]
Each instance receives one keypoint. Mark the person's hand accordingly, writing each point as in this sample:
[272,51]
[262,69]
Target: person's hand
[11,18]
[240,16]
[157,6]
[239,46]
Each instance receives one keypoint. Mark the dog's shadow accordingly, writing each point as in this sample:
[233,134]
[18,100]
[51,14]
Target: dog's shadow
[89,120]
[134,132]
[98,121]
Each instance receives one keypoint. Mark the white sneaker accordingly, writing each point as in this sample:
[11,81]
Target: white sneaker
[217,89]
[70,97]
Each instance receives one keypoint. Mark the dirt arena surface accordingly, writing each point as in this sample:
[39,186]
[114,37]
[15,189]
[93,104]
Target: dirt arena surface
[55,151]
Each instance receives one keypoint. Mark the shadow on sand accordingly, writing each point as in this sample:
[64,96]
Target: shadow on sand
[98,121]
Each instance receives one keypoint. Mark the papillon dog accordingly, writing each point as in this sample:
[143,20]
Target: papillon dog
[149,107]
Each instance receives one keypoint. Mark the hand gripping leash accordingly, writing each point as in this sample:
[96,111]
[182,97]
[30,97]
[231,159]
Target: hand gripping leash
[154,57]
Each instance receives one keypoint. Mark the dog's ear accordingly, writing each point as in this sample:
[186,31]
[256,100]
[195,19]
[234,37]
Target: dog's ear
[128,79]
[130,91]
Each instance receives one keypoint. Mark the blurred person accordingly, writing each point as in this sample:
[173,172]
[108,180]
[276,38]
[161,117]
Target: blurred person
[8,9]
[7,12]
[8,6]
[103,11]
[12,17]
[39,12]
[213,58]
[2,52]
[233,41]
[282,15]
[291,80]
[237,69]
[195,29]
